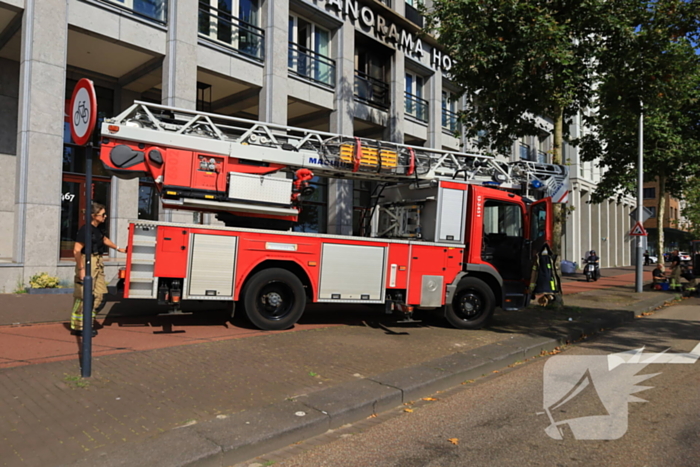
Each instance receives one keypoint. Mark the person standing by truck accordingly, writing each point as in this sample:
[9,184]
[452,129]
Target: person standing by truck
[99,244]
[675,268]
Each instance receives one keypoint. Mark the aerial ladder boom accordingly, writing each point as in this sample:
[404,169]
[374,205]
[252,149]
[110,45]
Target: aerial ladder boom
[207,162]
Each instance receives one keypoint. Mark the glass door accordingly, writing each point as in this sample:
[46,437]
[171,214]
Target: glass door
[73,207]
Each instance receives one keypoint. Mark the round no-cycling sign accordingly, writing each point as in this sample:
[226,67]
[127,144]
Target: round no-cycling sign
[83,112]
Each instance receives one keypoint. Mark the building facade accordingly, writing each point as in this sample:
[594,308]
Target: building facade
[674,225]
[356,67]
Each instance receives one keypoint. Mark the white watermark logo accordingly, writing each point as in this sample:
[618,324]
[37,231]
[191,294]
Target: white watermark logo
[602,385]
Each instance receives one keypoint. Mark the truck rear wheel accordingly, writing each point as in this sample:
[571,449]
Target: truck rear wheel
[274,299]
[472,304]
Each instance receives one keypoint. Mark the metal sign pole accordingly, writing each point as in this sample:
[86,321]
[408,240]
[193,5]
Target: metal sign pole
[639,272]
[86,363]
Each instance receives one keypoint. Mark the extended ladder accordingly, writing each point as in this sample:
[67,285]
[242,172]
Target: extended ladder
[326,154]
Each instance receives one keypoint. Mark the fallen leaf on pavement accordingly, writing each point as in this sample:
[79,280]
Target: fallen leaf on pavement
[429,399]
[408,410]
[454,441]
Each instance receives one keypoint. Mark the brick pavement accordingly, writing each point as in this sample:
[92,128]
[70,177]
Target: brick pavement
[49,416]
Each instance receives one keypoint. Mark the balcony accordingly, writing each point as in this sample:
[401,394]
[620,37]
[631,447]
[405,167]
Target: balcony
[153,10]
[371,90]
[223,28]
[449,121]
[311,65]
[416,107]
[414,16]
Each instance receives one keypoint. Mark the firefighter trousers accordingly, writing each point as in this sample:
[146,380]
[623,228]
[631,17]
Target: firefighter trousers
[99,288]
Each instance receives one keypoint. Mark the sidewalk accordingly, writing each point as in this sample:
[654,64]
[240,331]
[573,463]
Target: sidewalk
[234,392]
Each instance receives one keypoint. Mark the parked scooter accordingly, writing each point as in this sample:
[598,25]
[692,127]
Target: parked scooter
[590,267]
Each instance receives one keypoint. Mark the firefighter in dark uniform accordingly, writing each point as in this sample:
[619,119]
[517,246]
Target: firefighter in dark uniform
[99,244]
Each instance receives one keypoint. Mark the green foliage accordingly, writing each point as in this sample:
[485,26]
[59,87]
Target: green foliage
[655,63]
[517,60]
[43,281]
[691,211]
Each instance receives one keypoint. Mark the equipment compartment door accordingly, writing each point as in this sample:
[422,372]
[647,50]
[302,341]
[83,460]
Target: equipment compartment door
[212,265]
[352,273]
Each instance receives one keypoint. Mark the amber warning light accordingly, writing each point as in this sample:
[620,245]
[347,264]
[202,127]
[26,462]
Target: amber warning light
[113,128]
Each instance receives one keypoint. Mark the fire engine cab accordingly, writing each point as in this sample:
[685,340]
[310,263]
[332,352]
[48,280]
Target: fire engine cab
[447,231]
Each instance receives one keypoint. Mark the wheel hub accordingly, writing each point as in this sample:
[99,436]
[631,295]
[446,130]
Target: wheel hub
[273,299]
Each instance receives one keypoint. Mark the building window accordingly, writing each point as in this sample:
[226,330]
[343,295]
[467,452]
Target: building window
[416,106]
[152,9]
[370,79]
[449,112]
[649,193]
[314,209]
[309,50]
[524,151]
[542,147]
[233,23]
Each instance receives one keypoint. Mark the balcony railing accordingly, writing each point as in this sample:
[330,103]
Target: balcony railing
[309,64]
[371,90]
[154,10]
[416,107]
[222,27]
[449,120]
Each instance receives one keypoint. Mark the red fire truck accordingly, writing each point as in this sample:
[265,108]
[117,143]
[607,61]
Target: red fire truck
[447,231]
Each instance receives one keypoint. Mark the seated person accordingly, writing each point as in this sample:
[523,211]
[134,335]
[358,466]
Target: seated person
[658,274]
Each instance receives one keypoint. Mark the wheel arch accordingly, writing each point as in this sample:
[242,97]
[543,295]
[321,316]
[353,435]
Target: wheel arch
[487,275]
[291,266]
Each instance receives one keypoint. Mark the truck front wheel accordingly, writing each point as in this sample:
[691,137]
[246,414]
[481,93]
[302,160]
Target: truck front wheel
[274,299]
[472,304]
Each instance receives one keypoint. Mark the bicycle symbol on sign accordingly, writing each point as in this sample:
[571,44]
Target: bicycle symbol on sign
[81,113]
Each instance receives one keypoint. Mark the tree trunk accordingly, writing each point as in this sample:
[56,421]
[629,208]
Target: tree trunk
[559,212]
[660,215]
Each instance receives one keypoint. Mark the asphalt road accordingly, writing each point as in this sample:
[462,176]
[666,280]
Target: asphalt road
[499,420]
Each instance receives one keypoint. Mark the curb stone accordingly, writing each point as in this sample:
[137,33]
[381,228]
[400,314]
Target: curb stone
[236,438]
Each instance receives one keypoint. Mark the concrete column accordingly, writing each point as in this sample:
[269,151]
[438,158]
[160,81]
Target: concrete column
[595,228]
[340,191]
[180,64]
[125,193]
[180,73]
[40,135]
[585,224]
[571,227]
[607,220]
[397,82]
[273,98]
[435,111]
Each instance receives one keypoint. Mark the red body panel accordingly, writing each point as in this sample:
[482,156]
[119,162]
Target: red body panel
[178,170]
[398,255]
[475,229]
[412,261]
[252,250]
[172,248]
[428,260]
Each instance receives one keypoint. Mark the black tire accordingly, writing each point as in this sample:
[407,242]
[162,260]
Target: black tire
[588,277]
[274,299]
[472,306]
